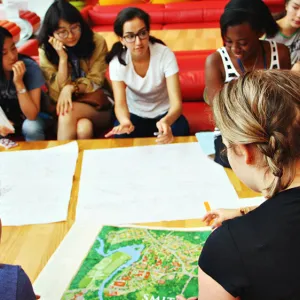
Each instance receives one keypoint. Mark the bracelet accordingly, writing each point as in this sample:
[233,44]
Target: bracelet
[244,210]
[22,91]
[76,88]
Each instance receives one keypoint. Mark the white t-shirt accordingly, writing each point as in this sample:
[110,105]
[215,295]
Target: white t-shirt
[147,97]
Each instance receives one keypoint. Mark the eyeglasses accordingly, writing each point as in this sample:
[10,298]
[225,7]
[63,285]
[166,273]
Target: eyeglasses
[131,37]
[64,33]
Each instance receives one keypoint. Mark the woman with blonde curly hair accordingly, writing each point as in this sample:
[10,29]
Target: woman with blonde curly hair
[255,255]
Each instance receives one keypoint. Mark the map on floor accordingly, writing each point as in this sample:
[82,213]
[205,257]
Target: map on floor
[139,263]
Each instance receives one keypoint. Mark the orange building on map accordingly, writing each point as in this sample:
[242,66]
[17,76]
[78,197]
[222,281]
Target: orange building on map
[119,283]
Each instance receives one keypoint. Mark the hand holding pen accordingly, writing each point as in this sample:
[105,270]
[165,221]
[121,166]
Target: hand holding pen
[216,217]
[164,134]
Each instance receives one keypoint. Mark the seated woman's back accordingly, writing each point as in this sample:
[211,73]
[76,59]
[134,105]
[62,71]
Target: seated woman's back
[256,256]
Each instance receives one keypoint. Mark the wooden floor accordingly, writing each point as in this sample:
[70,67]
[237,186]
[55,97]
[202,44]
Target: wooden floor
[32,246]
[180,40]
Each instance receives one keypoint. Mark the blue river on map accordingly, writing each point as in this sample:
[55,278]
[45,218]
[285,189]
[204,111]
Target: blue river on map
[134,251]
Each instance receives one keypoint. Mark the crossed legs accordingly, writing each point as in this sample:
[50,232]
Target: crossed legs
[80,122]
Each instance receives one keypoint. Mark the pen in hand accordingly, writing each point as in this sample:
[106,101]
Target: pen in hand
[157,133]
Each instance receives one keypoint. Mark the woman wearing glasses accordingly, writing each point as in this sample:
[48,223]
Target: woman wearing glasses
[72,59]
[145,82]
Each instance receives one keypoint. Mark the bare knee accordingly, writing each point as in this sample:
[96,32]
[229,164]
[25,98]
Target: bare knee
[66,127]
[67,119]
[84,129]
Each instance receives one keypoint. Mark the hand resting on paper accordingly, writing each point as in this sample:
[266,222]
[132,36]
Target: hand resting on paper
[215,218]
[4,131]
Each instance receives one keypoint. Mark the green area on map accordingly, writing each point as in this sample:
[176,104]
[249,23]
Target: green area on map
[131,263]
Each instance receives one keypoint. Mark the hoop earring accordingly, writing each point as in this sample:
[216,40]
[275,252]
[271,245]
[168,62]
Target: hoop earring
[124,47]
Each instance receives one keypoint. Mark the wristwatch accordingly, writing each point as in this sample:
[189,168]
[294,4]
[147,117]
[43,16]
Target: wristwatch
[22,91]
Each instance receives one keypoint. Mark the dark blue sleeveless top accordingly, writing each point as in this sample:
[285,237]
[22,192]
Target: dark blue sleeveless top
[15,284]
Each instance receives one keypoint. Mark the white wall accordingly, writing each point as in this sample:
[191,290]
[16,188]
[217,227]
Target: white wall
[39,6]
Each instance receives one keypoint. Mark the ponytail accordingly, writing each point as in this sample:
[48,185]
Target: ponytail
[116,50]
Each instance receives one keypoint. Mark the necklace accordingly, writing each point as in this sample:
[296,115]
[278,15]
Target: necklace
[243,68]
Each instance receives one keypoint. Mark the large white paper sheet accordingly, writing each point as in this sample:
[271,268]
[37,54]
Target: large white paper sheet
[151,183]
[35,185]
[65,262]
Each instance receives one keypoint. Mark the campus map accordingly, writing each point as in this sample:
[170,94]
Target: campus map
[132,263]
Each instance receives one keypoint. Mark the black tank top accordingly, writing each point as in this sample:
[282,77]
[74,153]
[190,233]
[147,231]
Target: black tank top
[257,256]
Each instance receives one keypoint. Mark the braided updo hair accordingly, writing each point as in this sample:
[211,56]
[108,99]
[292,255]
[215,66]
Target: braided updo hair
[263,108]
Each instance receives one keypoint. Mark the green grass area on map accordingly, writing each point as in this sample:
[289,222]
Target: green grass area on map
[131,263]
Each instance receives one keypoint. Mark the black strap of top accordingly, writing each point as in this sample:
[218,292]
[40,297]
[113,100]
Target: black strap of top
[264,55]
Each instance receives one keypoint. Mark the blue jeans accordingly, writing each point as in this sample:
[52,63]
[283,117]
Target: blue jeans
[146,127]
[34,130]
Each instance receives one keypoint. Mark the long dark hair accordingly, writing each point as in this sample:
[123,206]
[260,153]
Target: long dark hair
[254,12]
[280,15]
[4,34]
[125,15]
[62,10]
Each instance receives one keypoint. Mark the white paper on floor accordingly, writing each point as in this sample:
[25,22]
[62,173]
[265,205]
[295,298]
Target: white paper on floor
[35,185]
[151,183]
[66,260]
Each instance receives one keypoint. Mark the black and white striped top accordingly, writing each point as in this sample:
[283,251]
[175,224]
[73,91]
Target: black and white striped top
[231,72]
